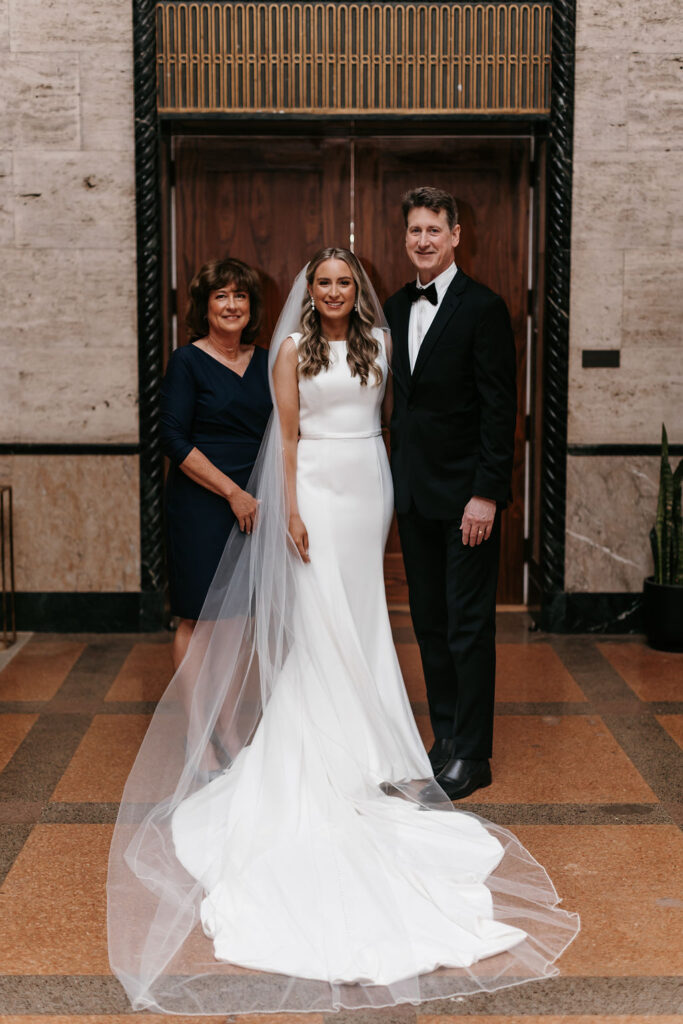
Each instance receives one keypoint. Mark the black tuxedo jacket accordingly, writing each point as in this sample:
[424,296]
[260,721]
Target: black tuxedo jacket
[453,424]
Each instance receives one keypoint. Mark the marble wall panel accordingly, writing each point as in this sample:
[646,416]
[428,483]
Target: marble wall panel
[75,200]
[597,295]
[76,395]
[6,199]
[653,26]
[4,24]
[107,99]
[42,94]
[76,521]
[655,101]
[600,107]
[9,384]
[653,302]
[68,25]
[85,297]
[603,26]
[611,503]
[627,405]
[71,338]
[621,200]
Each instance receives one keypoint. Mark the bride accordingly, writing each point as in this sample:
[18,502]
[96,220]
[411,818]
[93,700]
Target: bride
[322,867]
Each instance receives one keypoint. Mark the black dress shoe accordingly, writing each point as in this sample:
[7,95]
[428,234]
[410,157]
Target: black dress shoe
[440,754]
[461,777]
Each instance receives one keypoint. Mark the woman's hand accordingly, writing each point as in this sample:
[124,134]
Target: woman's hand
[245,509]
[298,533]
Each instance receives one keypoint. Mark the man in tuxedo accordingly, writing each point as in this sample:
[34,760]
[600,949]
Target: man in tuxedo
[452,440]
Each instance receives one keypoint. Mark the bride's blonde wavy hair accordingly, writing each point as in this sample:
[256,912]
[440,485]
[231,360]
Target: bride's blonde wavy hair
[362,346]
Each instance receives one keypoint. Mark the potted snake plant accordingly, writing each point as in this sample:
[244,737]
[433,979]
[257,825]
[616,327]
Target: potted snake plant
[663,592]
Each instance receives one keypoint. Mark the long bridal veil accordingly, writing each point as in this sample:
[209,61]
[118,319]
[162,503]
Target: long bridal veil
[242,650]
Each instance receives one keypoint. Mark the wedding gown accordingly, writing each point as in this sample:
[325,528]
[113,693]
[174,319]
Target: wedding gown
[310,868]
[325,857]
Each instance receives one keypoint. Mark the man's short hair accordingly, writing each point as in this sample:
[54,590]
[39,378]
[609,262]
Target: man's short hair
[435,199]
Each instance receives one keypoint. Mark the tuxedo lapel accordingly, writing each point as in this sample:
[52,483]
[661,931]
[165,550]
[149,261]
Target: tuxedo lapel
[401,358]
[447,308]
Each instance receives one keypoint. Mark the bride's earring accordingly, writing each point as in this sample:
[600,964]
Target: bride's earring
[355,305]
[312,304]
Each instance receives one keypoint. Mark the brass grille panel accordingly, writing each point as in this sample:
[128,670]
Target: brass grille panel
[353,58]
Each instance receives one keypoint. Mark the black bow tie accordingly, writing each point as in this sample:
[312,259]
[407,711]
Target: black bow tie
[428,293]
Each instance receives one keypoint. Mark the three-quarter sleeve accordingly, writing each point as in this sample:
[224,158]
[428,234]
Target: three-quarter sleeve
[178,398]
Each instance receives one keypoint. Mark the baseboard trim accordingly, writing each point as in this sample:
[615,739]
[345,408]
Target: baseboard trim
[68,612]
[563,612]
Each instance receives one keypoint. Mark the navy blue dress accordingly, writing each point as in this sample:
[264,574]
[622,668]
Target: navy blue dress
[206,405]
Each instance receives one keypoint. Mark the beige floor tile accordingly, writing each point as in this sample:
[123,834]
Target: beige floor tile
[524,672]
[98,770]
[13,730]
[426,1018]
[411,667]
[673,725]
[626,883]
[533,672]
[53,903]
[145,674]
[560,759]
[38,670]
[653,675]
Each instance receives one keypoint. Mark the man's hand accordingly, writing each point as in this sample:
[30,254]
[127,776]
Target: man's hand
[477,520]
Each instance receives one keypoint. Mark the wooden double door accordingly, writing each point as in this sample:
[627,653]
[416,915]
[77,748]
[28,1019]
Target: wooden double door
[274,201]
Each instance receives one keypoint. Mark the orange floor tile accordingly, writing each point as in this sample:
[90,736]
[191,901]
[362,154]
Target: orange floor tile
[552,759]
[426,1018]
[529,672]
[145,674]
[157,1018]
[626,883]
[59,877]
[411,669]
[105,756]
[13,729]
[653,675]
[673,725]
[533,672]
[38,670]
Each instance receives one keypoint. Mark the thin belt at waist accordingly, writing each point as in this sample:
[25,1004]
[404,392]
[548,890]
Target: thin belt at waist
[338,437]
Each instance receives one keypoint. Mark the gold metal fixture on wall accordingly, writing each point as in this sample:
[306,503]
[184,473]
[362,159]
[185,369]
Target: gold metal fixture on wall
[353,58]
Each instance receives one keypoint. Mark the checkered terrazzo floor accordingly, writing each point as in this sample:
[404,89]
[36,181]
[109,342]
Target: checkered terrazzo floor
[587,772]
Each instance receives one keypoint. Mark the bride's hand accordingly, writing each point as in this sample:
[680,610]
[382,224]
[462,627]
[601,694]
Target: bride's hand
[245,508]
[297,531]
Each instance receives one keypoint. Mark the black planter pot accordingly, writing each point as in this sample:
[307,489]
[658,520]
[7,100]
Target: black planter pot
[663,615]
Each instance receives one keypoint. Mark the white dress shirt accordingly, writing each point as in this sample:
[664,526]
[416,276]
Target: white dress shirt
[423,312]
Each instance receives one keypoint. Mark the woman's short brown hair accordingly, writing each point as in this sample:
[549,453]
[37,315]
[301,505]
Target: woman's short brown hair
[217,274]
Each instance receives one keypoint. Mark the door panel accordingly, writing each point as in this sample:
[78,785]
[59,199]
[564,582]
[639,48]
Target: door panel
[270,202]
[273,201]
[490,181]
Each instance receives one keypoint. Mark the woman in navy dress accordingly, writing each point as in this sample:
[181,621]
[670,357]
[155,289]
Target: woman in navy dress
[215,404]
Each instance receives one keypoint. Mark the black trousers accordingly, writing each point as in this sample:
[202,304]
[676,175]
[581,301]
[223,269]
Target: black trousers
[452,591]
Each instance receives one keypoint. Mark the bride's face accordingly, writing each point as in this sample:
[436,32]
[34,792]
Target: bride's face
[333,290]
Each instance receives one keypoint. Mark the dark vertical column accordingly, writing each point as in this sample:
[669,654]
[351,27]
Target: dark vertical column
[149,311]
[556,343]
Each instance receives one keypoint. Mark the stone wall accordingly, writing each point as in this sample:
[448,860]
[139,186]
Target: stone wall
[68,361]
[626,281]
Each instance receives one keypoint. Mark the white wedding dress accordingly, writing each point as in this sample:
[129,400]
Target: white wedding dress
[310,867]
[324,868]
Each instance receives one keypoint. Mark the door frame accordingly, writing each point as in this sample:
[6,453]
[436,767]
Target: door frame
[546,576]
[192,154]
